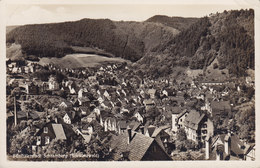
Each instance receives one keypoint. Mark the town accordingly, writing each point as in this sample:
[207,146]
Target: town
[110,112]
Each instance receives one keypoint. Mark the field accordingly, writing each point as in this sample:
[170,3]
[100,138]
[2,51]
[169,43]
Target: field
[79,60]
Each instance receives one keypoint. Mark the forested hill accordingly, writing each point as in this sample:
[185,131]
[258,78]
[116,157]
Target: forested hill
[157,45]
[129,40]
[227,38]
[179,23]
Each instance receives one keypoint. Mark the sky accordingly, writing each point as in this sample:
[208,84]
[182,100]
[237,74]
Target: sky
[20,14]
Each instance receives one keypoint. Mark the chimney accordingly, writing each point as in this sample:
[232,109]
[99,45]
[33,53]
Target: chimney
[129,132]
[207,147]
[15,112]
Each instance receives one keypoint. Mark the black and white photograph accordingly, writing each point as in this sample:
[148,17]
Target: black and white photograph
[130,82]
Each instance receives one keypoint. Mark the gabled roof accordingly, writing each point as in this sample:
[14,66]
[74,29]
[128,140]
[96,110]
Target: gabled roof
[134,125]
[174,110]
[220,107]
[182,113]
[58,131]
[21,114]
[34,115]
[137,147]
[193,119]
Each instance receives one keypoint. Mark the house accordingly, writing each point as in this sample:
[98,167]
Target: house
[53,83]
[220,108]
[228,147]
[149,103]
[158,134]
[87,129]
[134,125]
[175,112]
[31,88]
[84,101]
[139,116]
[121,126]
[65,104]
[135,146]
[198,126]
[49,132]
[91,117]
[84,111]
[151,92]
[110,124]
[69,117]
[106,94]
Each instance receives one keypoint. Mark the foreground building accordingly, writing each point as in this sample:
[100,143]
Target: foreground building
[135,146]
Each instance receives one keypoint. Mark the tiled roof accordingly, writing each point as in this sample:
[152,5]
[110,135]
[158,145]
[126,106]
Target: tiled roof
[193,119]
[59,132]
[134,125]
[122,124]
[137,147]
[174,110]
[34,115]
[220,107]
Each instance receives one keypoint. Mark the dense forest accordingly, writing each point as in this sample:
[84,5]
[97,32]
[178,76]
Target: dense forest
[128,40]
[157,44]
[225,36]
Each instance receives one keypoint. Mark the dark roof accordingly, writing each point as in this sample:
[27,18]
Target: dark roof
[34,115]
[182,113]
[136,148]
[174,110]
[134,125]
[151,130]
[84,99]
[220,107]
[21,114]
[193,119]
[122,124]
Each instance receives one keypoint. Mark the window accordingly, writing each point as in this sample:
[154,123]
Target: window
[38,140]
[47,140]
[45,130]
[154,148]
[180,120]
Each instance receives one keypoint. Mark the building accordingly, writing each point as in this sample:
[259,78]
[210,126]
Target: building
[135,146]
[53,84]
[49,132]
[178,117]
[228,147]
[198,126]
[220,108]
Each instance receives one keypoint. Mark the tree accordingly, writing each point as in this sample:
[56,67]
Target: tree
[181,135]
[215,66]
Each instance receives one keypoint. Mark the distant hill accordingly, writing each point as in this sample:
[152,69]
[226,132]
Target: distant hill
[129,40]
[158,45]
[226,38]
[178,23]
